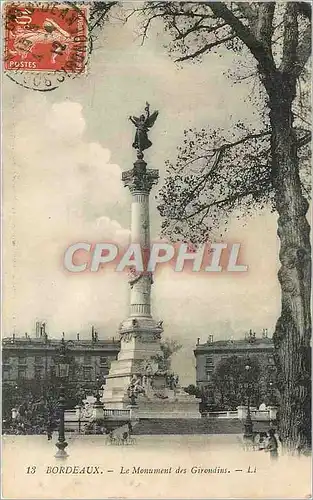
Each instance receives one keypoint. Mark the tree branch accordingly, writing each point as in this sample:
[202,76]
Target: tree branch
[244,139]
[306,139]
[146,27]
[302,118]
[256,47]
[223,202]
[205,48]
[101,8]
[199,27]
[304,50]
[248,11]
[218,158]
[264,26]
[291,35]
[221,149]
[171,10]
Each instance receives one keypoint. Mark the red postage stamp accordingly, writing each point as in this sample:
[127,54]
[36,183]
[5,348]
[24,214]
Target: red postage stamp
[46,37]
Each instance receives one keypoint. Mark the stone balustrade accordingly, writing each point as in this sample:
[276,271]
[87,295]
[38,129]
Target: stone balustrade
[75,416]
[268,414]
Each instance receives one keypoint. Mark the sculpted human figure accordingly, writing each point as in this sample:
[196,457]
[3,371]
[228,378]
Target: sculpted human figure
[143,124]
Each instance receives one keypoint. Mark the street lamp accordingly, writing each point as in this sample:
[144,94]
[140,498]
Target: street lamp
[62,371]
[99,390]
[78,409]
[248,422]
[271,392]
[132,394]
[14,413]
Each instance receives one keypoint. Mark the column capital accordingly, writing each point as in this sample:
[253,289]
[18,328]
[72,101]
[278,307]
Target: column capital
[140,178]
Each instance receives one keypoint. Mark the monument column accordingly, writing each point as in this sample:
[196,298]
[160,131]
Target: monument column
[140,333]
[140,180]
[140,371]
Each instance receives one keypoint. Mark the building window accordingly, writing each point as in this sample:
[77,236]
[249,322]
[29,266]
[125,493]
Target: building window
[6,373]
[271,360]
[209,367]
[103,360]
[38,360]
[87,359]
[87,374]
[38,372]
[22,360]
[21,373]
[209,363]
[5,359]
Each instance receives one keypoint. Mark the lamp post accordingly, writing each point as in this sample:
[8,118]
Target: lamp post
[132,393]
[271,392]
[99,386]
[78,409]
[98,410]
[203,395]
[14,413]
[62,369]
[248,422]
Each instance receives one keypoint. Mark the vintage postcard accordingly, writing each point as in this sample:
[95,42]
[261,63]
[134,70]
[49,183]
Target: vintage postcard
[156,333]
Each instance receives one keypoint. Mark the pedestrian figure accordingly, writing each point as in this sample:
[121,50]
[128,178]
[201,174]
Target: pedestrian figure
[49,432]
[248,442]
[111,437]
[262,441]
[272,445]
[125,437]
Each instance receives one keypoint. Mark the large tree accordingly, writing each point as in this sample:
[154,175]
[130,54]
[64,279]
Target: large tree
[217,172]
[232,382]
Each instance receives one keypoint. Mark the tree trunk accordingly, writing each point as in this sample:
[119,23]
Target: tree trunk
[293,329]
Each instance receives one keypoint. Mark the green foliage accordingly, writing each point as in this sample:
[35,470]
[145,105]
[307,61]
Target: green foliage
[37,400]
[99,12]
[193,390]
[234,384]
[215,174]
[169,347]
[220,174]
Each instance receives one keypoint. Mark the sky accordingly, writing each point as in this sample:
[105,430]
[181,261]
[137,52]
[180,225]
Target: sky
[64,152]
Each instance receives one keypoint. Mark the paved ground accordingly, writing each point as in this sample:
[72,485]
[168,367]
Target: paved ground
[201,466]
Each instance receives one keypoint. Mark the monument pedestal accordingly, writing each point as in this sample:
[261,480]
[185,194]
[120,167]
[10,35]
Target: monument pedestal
[135,377]
[179,405]
[140,347]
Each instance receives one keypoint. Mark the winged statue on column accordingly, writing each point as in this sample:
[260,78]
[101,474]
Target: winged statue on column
[143,124]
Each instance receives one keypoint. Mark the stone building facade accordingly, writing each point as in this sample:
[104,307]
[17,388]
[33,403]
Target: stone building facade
[209,354]
[33,358]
